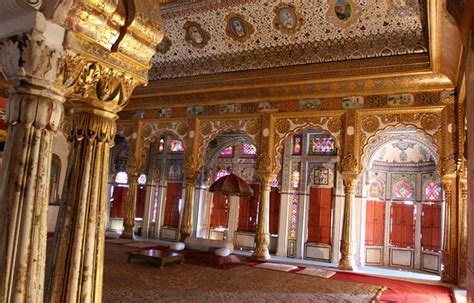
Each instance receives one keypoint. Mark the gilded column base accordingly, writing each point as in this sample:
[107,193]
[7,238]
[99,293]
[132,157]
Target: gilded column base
[261,252]
[346,264]
[127,232]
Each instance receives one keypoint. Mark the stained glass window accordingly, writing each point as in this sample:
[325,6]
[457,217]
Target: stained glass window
[297,141]
[402,190]
[221,173]
[228,152]
[322,145]
[295,179]
[155,204]
[275,182]
[249,149]
[376,190]
[121,178]
[142,179]
[161,145]
[432,191]
[176,146]
[294,215]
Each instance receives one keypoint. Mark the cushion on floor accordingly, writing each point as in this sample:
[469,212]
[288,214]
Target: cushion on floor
[177,246]
[317,272]
[277,266]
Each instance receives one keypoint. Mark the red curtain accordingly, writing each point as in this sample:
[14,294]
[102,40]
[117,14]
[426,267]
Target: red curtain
[402,231]
[174,191]
[375,223]
[140,206]
[219,211]
[117,206]
[248,211]
[275,198]
[319,217]
[431,227]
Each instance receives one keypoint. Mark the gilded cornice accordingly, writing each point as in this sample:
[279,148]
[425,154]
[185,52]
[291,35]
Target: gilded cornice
[361,86]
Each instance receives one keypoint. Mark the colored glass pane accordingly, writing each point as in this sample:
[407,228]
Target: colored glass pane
[376,190]
[249,149]
[155,204]
[402,190]
[294,215]
[229,151]
[176,146]
[295,179]
[121,178]
[275,182]
[297,145]
[322,145]
[142,179]
[161,145]
[221,173]
[432,191]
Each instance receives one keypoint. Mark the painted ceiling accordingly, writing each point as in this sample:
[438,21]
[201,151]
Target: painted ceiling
[403,151]
[210,36]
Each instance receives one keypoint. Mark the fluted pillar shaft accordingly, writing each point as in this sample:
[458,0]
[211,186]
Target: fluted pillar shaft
[262,236]
[30,61]
[347,260]
[129,220]
[75,268]
[26,170]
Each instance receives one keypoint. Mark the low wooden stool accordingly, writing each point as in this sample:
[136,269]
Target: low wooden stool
[155,256]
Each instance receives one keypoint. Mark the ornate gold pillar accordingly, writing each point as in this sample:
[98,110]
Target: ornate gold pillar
[349,176]
[265,171]
[129,220]
[133,170]
[191,174]
[106,60]
[450,245]
[30,62]
[262,236]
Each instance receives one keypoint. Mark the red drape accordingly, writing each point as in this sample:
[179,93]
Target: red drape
[219,211]
[402,231]
[174,192]
[248,211]
[275,198]
[375,223]
[319,217]
[117,206]
[431,227]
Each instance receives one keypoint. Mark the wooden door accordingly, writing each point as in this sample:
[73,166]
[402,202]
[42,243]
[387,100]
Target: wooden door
[174,192]
[117,205]
[319,216]
[219,211]
[402,229]
[275,198]
[248,211]
[140,204]
[431,227]
[375,223]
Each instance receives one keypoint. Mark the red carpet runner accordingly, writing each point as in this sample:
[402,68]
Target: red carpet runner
[401,291]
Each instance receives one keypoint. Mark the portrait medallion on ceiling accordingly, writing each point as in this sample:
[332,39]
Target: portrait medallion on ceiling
[238,28]
[342,12]
[195,34]
[287,20]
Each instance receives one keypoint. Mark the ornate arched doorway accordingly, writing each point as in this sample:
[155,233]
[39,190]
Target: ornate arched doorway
[403,200]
